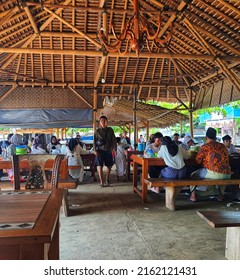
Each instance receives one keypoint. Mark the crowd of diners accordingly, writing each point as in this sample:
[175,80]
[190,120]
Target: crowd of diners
[212,156]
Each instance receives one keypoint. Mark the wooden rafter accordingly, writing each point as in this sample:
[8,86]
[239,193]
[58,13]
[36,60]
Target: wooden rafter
[79,96]
[73,27]
[32,20]
[133,55]
[233,78]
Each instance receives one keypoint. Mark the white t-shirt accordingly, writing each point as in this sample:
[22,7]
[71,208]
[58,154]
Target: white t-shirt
[153,147]
[176,162]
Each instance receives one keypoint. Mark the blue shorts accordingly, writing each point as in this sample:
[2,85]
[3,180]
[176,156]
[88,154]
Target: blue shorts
[104,158]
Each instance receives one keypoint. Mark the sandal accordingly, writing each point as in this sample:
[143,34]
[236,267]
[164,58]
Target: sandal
[220,198]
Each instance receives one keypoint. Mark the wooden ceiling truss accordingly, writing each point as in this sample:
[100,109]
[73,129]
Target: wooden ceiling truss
[53,44]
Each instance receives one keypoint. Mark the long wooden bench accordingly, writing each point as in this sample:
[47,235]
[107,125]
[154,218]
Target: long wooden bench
[230,220]
[174,186]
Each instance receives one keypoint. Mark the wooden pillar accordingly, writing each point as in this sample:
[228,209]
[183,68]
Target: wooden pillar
[57,132]
[191,113]
[191,122]
[147,131]
[135,118]
[95,109]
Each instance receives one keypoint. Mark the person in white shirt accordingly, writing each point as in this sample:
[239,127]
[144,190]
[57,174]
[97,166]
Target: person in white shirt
[230,147]
[120,160]
[54,147]
[73,153]
[173,156]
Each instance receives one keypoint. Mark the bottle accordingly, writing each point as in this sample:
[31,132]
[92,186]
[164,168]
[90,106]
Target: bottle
[150,153]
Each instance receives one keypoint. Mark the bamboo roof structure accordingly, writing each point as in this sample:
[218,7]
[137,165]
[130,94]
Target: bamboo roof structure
[120,113]
[50,55]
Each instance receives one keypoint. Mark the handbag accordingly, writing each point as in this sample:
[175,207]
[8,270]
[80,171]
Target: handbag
[102,141]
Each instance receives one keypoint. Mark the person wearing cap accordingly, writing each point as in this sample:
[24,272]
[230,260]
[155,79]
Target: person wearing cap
[105,148]
[230,147]
[154,171]
[213,156]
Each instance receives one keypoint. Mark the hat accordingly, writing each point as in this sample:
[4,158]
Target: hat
[211,133]
[187,139]
[226,138]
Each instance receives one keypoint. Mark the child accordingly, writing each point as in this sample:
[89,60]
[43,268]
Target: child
[120,160]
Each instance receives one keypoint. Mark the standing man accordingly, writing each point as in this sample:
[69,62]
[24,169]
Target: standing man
[105,148]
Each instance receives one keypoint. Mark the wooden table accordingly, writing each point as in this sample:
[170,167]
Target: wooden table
[130,161]
[234,160]
[230,220]
[7,164]
[29,225]
[145,163]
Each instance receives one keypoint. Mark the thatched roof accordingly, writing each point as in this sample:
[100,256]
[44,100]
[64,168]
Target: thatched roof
[53,45]
[120,112]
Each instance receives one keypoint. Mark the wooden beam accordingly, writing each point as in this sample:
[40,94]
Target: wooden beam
[73,27]
[30,16]
[43,26]
[8,15]
[79,96]
[131,54]
[220,71]
[231,75]
[100,69]
[230,6]
[8,92]
[79,84]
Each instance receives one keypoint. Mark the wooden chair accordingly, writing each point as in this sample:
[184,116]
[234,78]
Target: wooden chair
[36,177]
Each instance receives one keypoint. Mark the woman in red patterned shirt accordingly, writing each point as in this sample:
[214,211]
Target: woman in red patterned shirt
[213,156]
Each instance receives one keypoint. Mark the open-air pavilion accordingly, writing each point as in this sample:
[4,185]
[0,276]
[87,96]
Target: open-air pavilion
[72,57]
[63,55]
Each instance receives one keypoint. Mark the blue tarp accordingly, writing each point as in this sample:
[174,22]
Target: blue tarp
[46,118]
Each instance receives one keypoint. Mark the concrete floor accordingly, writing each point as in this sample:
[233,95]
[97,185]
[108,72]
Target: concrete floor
[111,223]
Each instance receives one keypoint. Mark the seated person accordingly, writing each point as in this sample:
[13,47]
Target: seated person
[154,171]
[187,143]
[151,140]
[213,156]
[124,136]
[54,147]
[230,147]
[74,152]
[173,156]
[79,140]
[176,138]
[38,146]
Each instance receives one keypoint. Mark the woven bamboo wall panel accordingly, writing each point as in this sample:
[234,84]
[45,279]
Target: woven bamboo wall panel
[4,89]
[59,98]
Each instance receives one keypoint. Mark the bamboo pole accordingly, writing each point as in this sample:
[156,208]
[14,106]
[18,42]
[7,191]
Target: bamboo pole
[129,54]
